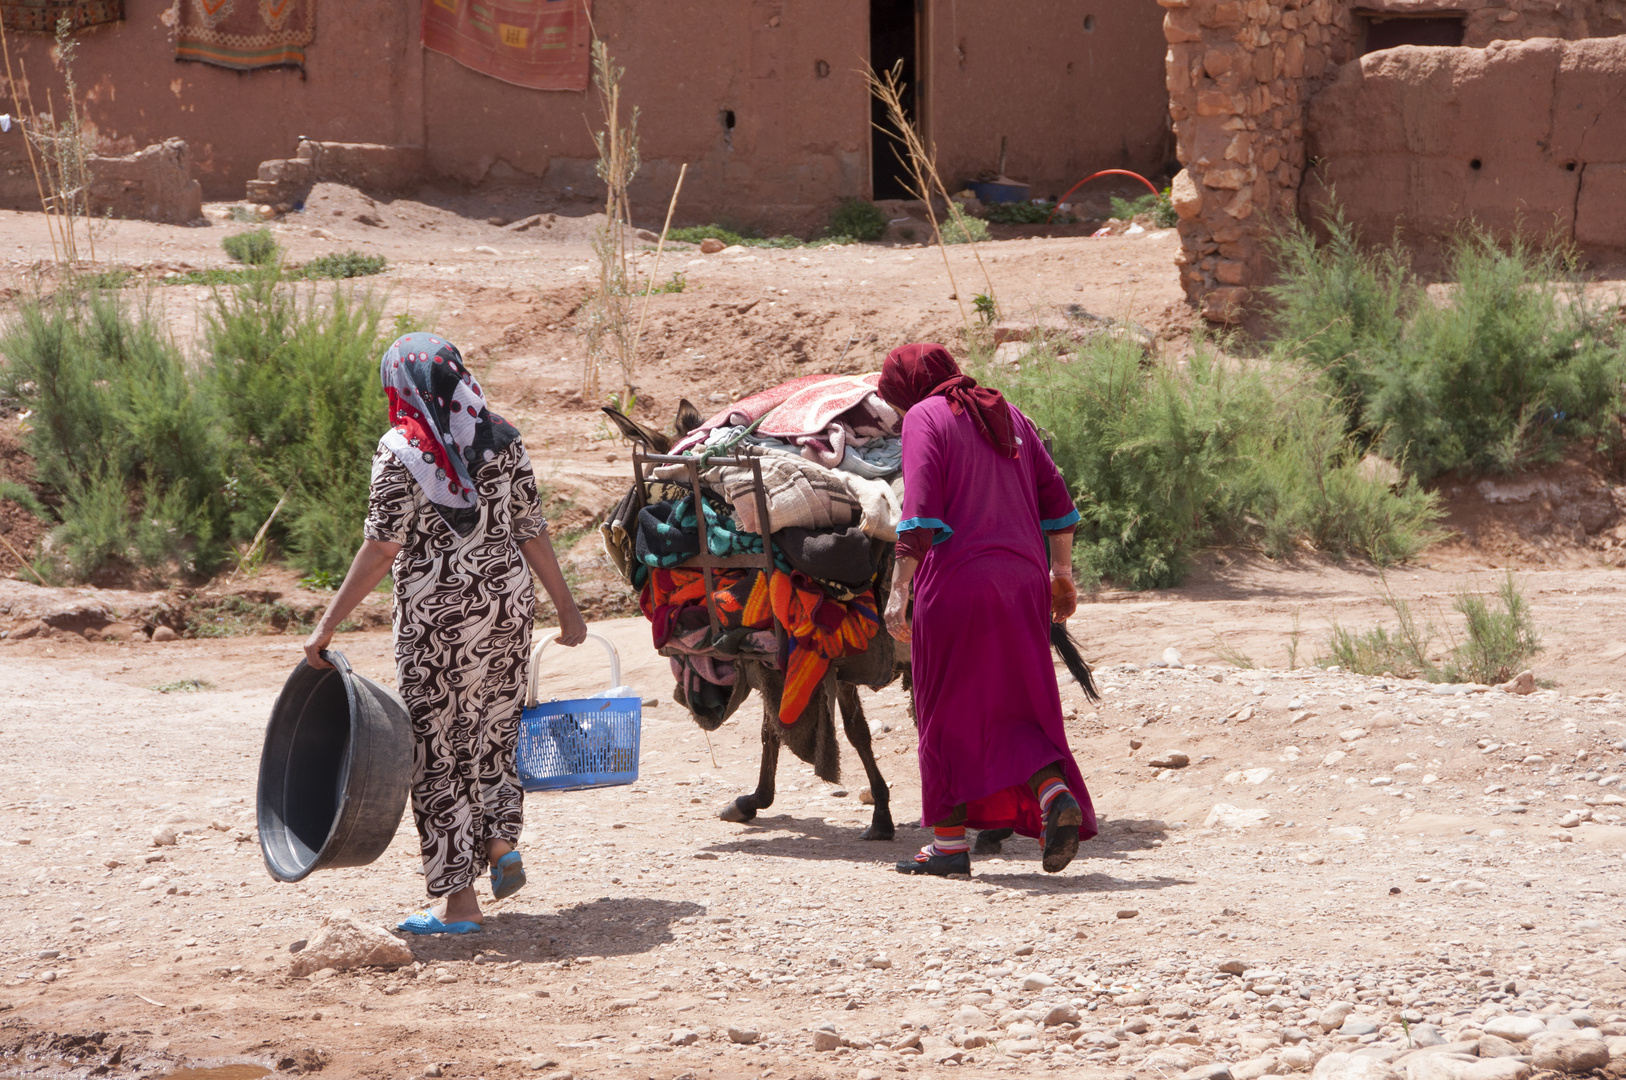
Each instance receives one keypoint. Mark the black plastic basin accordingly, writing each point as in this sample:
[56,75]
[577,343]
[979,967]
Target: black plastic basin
[335,772]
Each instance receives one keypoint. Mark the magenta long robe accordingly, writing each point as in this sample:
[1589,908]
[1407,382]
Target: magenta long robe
[986,701]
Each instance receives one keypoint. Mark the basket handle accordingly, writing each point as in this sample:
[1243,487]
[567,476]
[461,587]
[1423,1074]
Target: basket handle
[536,657]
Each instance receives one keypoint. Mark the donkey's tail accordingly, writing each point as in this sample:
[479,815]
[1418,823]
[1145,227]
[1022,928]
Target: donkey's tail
[1067,649]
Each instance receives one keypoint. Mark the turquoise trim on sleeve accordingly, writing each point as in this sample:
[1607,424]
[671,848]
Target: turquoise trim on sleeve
[943,531]
[1053,524]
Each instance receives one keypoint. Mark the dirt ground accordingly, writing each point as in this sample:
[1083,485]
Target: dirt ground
[1436,861]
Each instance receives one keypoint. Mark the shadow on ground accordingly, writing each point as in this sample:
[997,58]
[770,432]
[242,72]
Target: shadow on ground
[608,926]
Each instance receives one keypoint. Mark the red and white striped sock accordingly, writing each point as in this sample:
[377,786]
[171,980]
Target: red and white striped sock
[950,840]
[1048,792]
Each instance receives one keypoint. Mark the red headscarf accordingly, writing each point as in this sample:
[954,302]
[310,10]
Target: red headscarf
[913,373]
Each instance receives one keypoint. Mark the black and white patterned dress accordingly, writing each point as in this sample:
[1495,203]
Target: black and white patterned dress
[464,607]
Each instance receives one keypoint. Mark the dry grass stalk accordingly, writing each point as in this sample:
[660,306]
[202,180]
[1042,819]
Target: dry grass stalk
[921,161]
[660,246]
[18,112]
[64,149]
[610,333]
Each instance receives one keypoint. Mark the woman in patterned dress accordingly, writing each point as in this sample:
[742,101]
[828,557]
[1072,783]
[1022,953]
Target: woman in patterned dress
[454,510]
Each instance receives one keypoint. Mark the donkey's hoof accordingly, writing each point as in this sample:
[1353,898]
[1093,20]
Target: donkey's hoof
[878,831]
[991,841]
[738,811]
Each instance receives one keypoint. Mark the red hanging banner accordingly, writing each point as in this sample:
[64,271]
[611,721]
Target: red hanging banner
[541,44]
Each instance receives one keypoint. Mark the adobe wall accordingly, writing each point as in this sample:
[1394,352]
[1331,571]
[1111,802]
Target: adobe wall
[1522,137]
[1242,76]
[1072,84]
[786,69]
[152,184]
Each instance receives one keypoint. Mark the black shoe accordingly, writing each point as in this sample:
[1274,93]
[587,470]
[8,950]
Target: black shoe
[1061,827]
[939,865]
[991,841]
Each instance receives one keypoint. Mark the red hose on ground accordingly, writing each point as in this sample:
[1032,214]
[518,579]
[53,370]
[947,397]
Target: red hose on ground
[1104,172]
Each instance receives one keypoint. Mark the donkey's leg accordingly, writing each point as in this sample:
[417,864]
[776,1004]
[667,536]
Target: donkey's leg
[745,807]
[857,728]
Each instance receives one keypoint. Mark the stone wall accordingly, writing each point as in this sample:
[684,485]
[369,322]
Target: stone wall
[152,184]
[1242,76]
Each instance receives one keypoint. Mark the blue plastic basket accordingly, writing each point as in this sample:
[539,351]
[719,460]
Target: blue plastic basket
[579,742]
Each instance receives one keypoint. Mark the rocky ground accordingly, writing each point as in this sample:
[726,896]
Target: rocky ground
[1444,868]
[1445,873]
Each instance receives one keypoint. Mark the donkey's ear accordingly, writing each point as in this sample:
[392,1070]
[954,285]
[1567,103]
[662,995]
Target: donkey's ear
[637,432]
[688,418]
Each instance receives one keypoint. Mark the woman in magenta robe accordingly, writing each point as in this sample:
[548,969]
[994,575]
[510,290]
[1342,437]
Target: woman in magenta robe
[982,502]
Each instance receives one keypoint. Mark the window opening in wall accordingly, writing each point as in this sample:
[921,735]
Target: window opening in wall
[893,36]
[1089,24]
[1383,30]
[726,118]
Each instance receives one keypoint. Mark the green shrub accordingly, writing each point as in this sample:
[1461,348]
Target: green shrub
[859,219]
[1509,370]
[121,432]
[1160,207]
[23,497]
[964,229]
[1021,212]
[1496,643]
[156,459]
[350,264]
[257,247]
[693,234]
[297,386]
[1164,462]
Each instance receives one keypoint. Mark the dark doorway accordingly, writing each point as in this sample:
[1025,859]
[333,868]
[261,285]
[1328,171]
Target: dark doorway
[1434,28]
[892,37]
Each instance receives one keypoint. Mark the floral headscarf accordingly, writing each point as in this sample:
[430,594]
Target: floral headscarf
[441,428]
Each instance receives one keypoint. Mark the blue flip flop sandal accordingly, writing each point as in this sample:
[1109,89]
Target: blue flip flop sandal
[427,922]
[505,882]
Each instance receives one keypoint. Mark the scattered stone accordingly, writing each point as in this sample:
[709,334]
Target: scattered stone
[1568,1052]
[1061,1014]
[618,1004]
[296,946]
[1571,820]
[826,1040]
[1342,1066]
[1334,1015]
[485,249]
[683,1037]
[881,960]
[1494,1046]
[868,1074]
[970,1017]
[1226,816]
[1214,1070]
[164,633]
[1172,760]
[1357,1026]
[1038,980]
[743,1035]
[1514,1028]
[1298,1058]
[540,1062]
[1522,683]
[711,246]
[344,942]
[1253,1068]
[1127,913]
[163,836]
[1172,658]
[561,1075]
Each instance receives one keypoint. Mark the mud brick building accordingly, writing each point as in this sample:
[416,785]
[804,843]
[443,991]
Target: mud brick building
[1418,114]
[761,98]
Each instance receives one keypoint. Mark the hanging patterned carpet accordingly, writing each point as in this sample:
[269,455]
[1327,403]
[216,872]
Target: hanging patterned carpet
[42,16]
[245,34]
[540,44]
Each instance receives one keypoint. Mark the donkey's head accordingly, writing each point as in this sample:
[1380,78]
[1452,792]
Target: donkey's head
[687,419]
